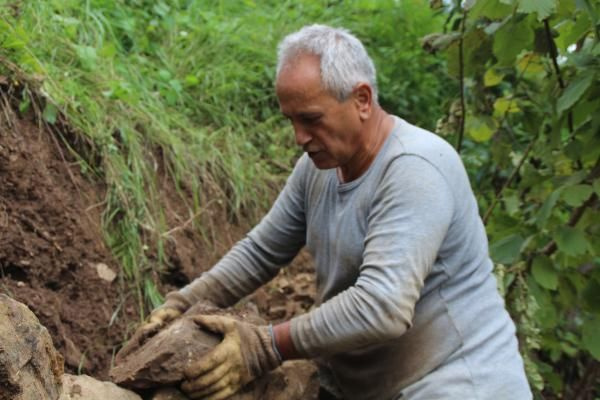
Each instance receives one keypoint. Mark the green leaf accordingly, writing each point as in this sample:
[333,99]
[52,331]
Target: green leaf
[546,314]
[597,186]
[586,6]
[570,32]
[108,51]
[566,8]
[507,250]
[591,337]
[544,273]
[510,40]
[574,91]
[191,80]
[571,241]
[161,9]
[476,47]
[543,8]
[50,112]
[480,128]
[591,296]
[164,75]
[512,203]
[546,209]
[530,64]
[575,195]
[492,77]
[176,85]
[439,41]
[87,55]
[24,104]
[505,105]
[492,9]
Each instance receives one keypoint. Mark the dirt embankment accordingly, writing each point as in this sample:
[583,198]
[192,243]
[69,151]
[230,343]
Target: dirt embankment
[51,246]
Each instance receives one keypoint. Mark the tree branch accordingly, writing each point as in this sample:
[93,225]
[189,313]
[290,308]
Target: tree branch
[578,212]
[575,217]
[461,73]
[508,181]
[554,56]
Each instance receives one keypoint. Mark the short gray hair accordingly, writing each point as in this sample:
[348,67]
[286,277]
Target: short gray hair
[344,60]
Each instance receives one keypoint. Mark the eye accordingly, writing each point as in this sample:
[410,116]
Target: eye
[310,119]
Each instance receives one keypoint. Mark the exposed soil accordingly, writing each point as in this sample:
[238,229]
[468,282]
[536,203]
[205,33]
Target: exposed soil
[52,253]
[51,245]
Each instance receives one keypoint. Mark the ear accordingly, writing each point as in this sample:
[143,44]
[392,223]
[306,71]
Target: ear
[363,99]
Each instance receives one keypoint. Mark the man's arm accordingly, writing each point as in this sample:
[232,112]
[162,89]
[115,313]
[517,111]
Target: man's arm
[256,259]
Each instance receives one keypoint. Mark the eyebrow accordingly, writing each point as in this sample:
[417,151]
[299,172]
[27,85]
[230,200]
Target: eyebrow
[307,114]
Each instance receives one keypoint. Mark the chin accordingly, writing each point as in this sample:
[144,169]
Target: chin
[323,162]
[324,166]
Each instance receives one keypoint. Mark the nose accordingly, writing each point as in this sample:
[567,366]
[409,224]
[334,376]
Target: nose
[302,135]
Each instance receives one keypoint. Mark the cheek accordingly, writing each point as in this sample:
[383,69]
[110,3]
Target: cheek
[339,143]
[330,136]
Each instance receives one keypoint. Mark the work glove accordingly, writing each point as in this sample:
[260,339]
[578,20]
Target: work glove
[203,289]
[172,308]
[175,305]
[246,352]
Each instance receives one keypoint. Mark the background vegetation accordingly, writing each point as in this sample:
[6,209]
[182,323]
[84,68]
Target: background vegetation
[184,88]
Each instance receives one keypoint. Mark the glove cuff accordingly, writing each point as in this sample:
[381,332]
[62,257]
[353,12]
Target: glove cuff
[209,289]
[176,301]
[274,344]
[271,358]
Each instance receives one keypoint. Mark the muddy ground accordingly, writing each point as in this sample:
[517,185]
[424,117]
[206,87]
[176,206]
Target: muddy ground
[53,257]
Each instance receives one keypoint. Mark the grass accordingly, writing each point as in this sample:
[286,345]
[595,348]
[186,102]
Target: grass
[185,87]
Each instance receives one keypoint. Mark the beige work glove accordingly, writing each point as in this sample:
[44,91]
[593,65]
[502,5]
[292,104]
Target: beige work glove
[175,305]
[246,352]
[178,302]
[172,308]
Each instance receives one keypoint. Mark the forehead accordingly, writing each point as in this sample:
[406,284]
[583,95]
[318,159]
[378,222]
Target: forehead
[300,76]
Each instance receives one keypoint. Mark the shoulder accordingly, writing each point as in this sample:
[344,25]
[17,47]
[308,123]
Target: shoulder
[410,144]
[409,139]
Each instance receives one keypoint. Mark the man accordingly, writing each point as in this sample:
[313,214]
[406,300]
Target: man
[407,303]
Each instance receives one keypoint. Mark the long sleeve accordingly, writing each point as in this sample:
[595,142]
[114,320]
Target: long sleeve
[257,258]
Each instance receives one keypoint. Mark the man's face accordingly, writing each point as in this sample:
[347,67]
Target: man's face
[327,129]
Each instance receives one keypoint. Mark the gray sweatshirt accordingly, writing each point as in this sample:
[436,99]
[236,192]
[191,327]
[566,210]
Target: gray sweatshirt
[407,303]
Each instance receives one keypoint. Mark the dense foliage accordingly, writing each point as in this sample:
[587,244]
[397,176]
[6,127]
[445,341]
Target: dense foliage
[530,73]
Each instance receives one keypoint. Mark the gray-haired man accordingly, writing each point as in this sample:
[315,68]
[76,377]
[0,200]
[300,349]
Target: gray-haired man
[407,303]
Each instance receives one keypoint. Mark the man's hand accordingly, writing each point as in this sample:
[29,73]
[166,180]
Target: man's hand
[246,352]
[174,306]
[159,318]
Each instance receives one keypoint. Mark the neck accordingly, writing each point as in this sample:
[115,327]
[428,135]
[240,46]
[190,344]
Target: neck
[375,132]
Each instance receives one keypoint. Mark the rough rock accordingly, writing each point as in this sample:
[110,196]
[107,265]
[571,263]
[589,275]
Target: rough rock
[169,393]
[161,359]
[30,366]
[294,380]
[159,362]
[83,387]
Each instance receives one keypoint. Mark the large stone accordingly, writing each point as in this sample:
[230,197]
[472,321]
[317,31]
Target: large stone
[30,366]
[294,380]
[159,361]
[83,387]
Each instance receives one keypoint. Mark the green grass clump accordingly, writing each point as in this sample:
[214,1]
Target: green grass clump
[186,87]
